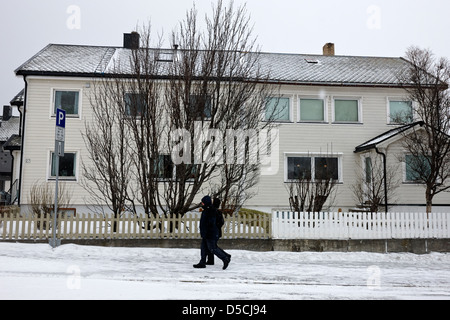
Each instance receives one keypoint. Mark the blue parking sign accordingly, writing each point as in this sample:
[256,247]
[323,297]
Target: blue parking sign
[60,118]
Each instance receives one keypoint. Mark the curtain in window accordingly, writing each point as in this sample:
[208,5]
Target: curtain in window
[346,110]
[277,109]
[311,110]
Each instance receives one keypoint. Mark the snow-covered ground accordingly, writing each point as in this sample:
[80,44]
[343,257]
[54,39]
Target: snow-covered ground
[36,271]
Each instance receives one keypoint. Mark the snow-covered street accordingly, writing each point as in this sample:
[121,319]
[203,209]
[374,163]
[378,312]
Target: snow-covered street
[36,271]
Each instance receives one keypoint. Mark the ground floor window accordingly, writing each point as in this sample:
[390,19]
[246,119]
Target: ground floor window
[67,166]
[313,168]
[417,169]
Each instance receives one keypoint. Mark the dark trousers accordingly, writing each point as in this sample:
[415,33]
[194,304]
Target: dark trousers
[211,255]
[210,246]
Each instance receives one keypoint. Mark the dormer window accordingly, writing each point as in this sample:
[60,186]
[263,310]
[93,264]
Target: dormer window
[312,61]
[166,56]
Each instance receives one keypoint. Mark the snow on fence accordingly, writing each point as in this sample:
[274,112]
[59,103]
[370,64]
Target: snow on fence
[360,225]
[95,226]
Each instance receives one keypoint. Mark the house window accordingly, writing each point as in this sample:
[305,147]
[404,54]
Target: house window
[299,168]
[400,112]
[347,111]
[67,166]
[326,168]
[187,172]
[312,110]
[416,168]
[67,101]
[199,107]
[164,167]
[312,168]
[135,105]
[278,109]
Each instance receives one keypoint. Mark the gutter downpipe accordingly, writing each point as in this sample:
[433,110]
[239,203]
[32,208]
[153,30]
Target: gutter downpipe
[385,180]
[22,134]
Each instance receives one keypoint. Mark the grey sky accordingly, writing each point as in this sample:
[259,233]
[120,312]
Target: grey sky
[357,27]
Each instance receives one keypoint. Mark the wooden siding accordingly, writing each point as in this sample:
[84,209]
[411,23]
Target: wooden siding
[295,137]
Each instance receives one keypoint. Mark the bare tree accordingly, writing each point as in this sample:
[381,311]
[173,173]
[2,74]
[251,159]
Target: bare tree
[174,109]
[426,82]
[42,200]
[308,193]
[368,188]
[106,142]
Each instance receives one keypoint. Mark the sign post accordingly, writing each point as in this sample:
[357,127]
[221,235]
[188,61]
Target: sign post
[60,131]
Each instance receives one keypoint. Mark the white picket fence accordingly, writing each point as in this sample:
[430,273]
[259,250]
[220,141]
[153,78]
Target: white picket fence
[360,225]
[15,226]
[282,225]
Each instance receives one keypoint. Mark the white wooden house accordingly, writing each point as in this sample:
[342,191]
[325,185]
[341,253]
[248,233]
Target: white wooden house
[333,109]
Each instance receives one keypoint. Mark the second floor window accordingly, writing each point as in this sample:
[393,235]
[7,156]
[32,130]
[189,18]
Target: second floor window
[67,101]
[135,105]
[312,110]
[400,112]
[347,111]
[278,109]
[199,107]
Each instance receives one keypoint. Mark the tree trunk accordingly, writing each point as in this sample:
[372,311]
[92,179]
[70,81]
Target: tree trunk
[429,200]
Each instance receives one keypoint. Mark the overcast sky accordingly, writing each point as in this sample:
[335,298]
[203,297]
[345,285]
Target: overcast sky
[357,27]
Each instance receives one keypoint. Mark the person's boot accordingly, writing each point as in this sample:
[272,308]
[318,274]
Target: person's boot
[226,262]
[199,265]
[210,261]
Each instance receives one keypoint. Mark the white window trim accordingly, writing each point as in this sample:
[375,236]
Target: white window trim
[65,179]
[338,155]
[80,103]
[388,108]
[325,108]
[360,111]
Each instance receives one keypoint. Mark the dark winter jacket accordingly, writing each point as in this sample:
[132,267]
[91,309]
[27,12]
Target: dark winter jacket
[208,228]
[220,221]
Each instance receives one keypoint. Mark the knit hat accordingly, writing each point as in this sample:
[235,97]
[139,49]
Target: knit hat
[207,201]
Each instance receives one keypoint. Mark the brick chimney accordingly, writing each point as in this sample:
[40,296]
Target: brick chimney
[7,113]
[131,40]
[328,49]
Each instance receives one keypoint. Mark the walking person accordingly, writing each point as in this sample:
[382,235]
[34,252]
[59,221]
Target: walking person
[210,233]
[220,221]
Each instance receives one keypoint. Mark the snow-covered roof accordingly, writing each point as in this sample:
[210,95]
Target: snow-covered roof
[9,128]
[92,61]
[374,142]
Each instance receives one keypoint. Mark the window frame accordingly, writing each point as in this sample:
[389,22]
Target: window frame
[405,175]
[290,107]
[208,99]
[53,102]
[312,157]
[388,109]
[325,109]
[172,173]
[347,98]
[129,115]
[51,177]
